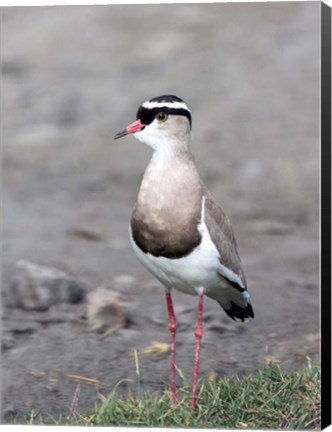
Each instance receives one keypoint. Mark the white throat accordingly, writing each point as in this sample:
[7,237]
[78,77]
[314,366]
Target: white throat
[165,146]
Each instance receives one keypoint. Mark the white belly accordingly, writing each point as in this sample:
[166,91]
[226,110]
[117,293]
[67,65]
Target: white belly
[189,274]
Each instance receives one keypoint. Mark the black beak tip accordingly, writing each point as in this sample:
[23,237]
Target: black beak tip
[121,134]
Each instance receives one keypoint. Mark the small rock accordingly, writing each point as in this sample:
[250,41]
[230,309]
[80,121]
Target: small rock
[7,342]
[37,287]
[106,311]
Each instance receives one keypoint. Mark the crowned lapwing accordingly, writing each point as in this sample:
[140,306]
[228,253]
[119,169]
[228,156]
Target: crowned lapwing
[177,229]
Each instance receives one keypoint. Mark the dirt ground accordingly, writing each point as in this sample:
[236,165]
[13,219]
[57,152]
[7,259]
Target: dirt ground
[74,76]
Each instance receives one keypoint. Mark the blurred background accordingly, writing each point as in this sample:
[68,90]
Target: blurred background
[74,76]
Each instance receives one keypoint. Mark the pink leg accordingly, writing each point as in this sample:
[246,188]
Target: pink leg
[172,329]
[198,335]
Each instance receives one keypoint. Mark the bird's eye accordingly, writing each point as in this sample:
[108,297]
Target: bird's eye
[161,117]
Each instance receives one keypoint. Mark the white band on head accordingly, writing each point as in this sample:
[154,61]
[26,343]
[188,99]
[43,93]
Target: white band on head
[175,105]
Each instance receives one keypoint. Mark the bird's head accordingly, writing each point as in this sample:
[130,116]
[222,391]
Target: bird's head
[161,121]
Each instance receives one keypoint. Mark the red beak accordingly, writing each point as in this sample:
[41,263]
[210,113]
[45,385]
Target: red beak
[132,128]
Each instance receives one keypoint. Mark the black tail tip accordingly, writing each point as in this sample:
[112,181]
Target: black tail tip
[237,312]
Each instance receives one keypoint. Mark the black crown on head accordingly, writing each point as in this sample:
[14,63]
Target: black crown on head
[147,114]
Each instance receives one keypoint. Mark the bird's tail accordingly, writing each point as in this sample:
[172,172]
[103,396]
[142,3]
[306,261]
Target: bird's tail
[235,303]
[238,312]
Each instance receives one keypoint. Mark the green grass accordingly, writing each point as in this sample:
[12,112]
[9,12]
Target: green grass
[269,399]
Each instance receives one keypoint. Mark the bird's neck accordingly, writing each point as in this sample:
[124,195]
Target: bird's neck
[171,165]
[171,180]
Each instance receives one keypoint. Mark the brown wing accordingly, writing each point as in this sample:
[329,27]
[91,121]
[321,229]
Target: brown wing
[222,235]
